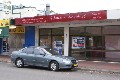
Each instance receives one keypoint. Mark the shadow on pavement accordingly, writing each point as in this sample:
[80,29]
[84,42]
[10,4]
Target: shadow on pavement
[43,68]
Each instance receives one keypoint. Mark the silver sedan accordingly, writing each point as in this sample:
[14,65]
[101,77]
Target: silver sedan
[44,57]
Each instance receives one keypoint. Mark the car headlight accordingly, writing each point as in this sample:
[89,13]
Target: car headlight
[67,61]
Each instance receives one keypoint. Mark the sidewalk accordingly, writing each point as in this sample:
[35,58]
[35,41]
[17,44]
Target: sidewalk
[5,58]
[101,66]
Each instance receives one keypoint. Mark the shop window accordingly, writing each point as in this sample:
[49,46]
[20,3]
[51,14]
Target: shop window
[77,31]
[112,42]
[93,30]
[45,31]
[52,38]
[111,30]
[58,31]
[112,56]
[45,41]
[58,44]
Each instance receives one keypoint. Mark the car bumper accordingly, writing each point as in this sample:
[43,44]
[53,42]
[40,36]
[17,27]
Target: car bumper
[67,66]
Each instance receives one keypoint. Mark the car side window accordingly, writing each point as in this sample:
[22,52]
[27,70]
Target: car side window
[38,52]
[28,50]
[24,51]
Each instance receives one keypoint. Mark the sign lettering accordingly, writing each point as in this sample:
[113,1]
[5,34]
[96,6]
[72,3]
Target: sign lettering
[17,30]
[78,42]
[4,23]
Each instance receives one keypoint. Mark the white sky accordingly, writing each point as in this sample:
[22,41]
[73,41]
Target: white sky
[71,6]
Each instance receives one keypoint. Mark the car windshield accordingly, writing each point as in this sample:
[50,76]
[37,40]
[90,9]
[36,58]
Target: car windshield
[50,51]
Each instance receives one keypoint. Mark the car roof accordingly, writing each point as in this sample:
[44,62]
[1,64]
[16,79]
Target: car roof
[39,47]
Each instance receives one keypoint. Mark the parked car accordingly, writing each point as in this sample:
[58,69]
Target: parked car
[44,57]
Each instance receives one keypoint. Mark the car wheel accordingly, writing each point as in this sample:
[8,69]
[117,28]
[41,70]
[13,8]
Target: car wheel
[19,63]
[54,66]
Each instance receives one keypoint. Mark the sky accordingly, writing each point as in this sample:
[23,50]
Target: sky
[71,6]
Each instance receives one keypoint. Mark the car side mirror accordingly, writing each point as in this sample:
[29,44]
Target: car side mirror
[42,54]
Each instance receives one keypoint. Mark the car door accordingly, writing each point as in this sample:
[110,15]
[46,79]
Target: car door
[41,58]
[29,58]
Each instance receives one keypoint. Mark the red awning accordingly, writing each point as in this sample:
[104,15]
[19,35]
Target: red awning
[92,15]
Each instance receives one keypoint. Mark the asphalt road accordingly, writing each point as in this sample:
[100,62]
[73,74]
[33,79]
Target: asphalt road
[10,72]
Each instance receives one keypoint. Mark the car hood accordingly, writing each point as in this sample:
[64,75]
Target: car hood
[63,57]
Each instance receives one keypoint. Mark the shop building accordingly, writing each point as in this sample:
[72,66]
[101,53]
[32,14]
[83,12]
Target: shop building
[4,34]
[91,35]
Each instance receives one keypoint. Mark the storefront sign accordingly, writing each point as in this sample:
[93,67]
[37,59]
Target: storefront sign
[4,23]
[4,32]
[92,15]
[17,30]
[78,42]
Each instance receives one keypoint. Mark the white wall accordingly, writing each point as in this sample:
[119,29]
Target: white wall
[25,12]
[113,14]
[1,15]
[15,16]
[5,10]
[1,6]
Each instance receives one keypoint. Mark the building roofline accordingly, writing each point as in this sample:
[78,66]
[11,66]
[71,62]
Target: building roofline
[23,7]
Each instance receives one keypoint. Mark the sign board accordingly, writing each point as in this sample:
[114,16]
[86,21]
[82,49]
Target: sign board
[4,23]
[78,42]
[4,32]
[92,15]
[17,30]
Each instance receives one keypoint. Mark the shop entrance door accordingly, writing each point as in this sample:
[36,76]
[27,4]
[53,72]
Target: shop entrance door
[95,46]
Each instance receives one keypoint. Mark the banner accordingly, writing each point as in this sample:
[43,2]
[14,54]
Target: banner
[4,23]
[17,30]
[78,42]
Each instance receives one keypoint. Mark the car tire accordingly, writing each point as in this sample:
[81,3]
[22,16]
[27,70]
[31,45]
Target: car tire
[19,63]
[54,66]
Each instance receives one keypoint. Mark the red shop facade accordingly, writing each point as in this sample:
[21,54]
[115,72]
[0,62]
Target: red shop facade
[83,35]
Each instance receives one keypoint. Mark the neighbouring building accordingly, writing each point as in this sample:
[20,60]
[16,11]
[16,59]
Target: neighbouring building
[5,10]
[23,11]
[5,14]
[18,34]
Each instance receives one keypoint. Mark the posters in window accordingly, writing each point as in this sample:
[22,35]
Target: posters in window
[58,46]
[78,42]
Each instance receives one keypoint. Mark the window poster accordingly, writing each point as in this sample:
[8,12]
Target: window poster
[58,46]
[78,42]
